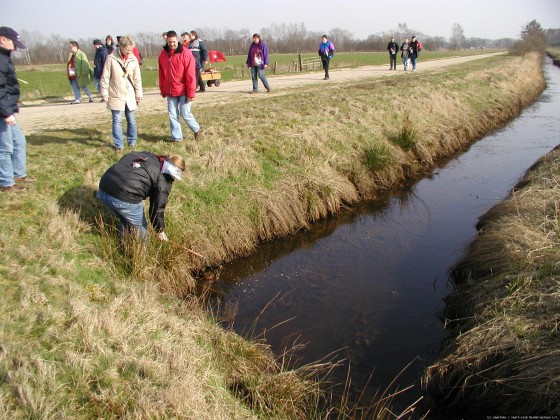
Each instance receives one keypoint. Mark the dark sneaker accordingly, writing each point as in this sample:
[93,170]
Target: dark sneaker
[13,189]
[197,135]
[26,179]
[91,99]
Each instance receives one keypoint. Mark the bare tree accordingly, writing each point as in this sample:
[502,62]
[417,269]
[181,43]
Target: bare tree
[457,40]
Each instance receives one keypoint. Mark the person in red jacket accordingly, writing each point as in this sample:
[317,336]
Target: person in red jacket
[177,83]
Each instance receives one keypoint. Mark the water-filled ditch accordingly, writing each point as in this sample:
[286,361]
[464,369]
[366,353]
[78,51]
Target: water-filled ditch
[366,286]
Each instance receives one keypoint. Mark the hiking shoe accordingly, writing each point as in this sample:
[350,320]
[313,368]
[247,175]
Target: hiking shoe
[268,90]
[197,135]
[26,179]
[13,189]
[75,102]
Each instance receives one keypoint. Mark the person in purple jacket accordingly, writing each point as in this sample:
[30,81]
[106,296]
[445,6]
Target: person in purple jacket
[326,52]
[257,61]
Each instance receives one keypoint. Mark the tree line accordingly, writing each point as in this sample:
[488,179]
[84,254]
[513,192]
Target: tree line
[280,38]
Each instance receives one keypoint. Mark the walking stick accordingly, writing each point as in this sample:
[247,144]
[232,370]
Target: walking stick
[186,249]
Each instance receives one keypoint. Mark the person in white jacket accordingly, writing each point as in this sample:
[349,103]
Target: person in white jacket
[121,89]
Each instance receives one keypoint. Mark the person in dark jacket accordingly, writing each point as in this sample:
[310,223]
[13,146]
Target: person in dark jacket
[101,54]
[135,177]
[109,44]
[12,140]
[414,50]
[200,54]
[393,49]
[177,83]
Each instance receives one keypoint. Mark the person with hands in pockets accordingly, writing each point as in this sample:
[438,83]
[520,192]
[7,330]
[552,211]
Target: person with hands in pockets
[121,88]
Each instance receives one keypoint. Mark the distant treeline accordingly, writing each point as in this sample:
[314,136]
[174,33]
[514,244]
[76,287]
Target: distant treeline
[283,38]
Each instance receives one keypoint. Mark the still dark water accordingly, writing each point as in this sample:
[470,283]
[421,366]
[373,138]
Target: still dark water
[367,285]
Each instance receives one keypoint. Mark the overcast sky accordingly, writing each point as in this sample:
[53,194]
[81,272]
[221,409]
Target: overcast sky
[491,19]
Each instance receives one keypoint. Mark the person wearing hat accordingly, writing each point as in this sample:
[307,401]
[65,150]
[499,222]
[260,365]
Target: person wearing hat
[79,72]
[12,141]
[137,176]
[101,54]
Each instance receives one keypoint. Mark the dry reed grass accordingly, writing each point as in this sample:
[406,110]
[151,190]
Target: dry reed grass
[504,346]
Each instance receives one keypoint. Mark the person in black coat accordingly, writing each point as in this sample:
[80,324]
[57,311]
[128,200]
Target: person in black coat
[101,53]
[135,177]
[393,49]
[12,140]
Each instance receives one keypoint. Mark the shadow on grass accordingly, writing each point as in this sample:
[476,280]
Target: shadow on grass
[82,200]
[84,136]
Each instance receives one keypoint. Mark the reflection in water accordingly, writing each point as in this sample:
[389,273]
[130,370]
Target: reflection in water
[366,286]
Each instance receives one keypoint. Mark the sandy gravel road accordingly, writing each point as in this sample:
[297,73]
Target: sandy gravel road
[33,118]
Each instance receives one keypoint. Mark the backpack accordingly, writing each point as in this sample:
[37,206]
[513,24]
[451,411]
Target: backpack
[419,46]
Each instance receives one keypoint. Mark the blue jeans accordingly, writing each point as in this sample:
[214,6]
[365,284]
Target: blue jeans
[131,128]
[413,61]
[131,216]
[76,90]
[405,62]
[256,71]
[12,153]
[178,105]
[97,85]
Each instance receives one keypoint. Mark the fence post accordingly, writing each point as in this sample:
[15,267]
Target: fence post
[299,58]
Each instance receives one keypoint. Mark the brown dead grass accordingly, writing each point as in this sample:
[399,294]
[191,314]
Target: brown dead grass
[503,352]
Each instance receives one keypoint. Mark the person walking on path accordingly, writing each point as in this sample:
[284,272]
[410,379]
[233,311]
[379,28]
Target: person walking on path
[135,177]
[257,61]
[326,52]
[12,141]
[415,48]
[405,52]
[393,48]
[109,44]
[121,88]
[79,72]
[101,54]
[177,83]
[200,54]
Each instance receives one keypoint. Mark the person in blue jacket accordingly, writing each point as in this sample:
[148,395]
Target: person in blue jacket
[326,52]
[257,61]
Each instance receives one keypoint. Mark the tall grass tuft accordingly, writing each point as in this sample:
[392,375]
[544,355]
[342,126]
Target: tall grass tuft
[407,135]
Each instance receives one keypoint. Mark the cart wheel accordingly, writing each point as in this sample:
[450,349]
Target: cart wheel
[217,83]
[209,83]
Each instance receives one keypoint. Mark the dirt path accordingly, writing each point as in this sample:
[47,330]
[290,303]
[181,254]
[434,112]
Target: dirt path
[63,115]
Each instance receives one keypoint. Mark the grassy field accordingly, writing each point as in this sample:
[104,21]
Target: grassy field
[49,82]
[92,330]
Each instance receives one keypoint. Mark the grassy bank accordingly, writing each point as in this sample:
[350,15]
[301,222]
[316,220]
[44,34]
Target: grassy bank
[554,53]
[87,331]
[502,357]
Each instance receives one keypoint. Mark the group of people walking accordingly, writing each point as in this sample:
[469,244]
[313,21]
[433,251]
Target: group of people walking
[409,51]
[117,77]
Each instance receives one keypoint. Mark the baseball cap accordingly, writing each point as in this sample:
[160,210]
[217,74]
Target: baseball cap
[11,34]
